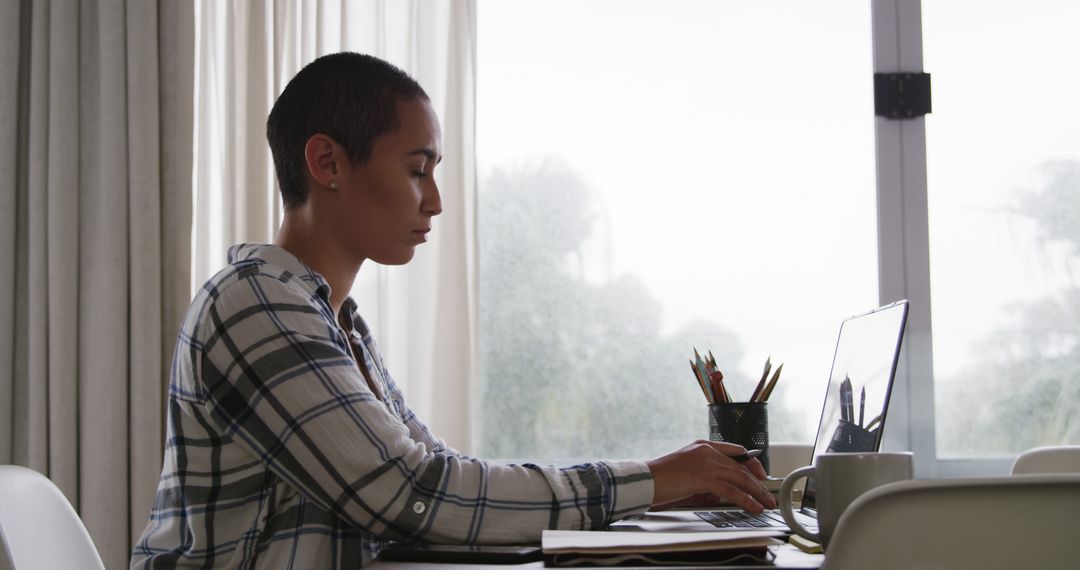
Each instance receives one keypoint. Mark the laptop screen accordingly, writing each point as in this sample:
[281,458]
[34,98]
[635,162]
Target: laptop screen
[860,384]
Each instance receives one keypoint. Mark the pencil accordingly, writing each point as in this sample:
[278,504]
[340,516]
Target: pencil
[761,383]
[717,378]
[710,374]
[703,372]
[772,384]
[701,384]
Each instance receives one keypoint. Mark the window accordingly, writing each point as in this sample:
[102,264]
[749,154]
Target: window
[656,177]
[1004,208]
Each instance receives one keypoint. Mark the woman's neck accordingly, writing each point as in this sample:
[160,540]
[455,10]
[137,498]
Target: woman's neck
[301,238]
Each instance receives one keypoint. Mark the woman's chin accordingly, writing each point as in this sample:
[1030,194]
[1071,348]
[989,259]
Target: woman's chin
[395,258]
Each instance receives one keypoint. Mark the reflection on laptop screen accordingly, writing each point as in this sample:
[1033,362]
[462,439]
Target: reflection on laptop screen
[860,384]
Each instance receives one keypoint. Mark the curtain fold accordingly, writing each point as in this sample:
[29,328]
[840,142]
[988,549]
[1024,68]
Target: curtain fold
[423,314]
[457,308]
[97,147]
[12,20]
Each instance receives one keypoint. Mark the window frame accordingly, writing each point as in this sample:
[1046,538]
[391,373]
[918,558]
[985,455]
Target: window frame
[904,251]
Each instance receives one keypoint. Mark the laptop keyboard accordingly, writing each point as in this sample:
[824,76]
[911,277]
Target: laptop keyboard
[743,519]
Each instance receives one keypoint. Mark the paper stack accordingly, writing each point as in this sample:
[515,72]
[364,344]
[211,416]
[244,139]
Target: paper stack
[588,548]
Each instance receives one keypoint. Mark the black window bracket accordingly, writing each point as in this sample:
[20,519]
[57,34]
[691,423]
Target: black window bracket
[901,95]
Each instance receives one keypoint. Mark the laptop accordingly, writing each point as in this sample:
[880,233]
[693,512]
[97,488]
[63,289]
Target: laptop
[864,362]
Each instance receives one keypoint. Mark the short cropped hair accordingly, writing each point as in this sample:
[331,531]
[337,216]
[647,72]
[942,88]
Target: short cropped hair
[350,97]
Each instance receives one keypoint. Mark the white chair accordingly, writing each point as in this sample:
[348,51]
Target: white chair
[787,457]
[990,524]
[38,527]
[1051,459]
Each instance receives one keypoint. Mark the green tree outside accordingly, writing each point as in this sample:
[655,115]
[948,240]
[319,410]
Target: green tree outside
[1023,391]
[571,369]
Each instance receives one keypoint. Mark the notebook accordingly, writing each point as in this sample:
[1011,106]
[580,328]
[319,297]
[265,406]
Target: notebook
[587,548]
[852,418]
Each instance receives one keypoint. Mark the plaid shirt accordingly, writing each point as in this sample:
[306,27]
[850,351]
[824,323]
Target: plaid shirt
[280,454]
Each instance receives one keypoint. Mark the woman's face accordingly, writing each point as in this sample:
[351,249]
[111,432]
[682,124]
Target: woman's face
[387,203]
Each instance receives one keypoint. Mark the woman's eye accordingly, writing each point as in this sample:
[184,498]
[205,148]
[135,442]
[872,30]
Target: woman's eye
[419,173]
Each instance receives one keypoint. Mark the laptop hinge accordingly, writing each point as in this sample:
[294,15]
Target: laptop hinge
[901,95]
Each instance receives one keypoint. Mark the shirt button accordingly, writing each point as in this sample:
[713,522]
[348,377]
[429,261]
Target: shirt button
[419,508]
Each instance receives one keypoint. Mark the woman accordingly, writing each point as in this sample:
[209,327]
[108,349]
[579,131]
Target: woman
[289,445]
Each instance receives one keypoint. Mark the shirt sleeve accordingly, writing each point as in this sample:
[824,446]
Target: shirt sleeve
[281,382]
[418,430]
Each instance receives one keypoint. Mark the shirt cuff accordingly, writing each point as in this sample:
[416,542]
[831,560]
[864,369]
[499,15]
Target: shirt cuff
[631,492]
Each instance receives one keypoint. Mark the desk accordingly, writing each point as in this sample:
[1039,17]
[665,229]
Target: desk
[787,556]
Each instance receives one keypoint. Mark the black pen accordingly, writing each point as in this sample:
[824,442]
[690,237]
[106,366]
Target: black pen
[743,458]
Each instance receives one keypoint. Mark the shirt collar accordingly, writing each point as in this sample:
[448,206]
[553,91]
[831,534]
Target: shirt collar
[277,256]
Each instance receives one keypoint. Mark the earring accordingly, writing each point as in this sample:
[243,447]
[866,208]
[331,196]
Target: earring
[333,184]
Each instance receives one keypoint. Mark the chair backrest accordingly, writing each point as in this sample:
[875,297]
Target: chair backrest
[1051,459]
[38,527]
[992,523]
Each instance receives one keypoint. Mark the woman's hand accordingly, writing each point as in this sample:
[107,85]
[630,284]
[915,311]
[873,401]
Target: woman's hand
[705,468]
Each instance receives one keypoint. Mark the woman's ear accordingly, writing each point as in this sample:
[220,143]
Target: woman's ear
[321,154]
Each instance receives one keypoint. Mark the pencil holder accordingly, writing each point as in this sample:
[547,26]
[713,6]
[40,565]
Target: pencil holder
[850,437]
[744,423]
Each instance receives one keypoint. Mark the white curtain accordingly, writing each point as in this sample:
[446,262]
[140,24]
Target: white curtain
[95,215]
[423,314]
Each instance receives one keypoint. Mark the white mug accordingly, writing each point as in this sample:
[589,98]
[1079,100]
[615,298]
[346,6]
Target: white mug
[839,478]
